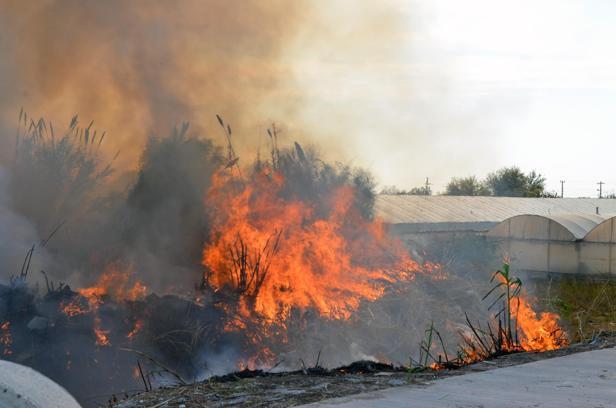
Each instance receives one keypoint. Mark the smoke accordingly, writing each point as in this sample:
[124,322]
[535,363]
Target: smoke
[55,197]
[141,67]
[22,233]
[138,69]
[165,217]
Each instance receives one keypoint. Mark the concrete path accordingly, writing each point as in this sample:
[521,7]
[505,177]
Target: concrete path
[22,387]
[579,380]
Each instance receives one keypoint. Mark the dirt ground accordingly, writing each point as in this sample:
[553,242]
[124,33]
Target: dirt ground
[262,389]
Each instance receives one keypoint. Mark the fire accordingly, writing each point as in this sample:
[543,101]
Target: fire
[73,308]
[278,253]
[136,329]
[6,339]
[538,331]
[114,284]
[531,331]
[265,357]
[102,336]
[535,331]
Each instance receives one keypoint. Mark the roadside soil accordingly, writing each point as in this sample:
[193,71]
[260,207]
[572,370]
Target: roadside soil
[288,389]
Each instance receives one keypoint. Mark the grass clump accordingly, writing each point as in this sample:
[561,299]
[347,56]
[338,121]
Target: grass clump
[587,306]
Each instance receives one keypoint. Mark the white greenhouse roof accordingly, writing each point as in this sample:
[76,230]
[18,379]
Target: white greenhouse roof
[561,227]
[453,213]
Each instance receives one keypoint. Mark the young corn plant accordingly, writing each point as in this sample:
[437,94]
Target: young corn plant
[510,288]
[484,343]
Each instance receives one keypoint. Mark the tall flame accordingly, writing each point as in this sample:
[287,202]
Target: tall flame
[280,253]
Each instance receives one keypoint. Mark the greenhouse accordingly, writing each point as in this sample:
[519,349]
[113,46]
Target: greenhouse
[561,244]
[539,235]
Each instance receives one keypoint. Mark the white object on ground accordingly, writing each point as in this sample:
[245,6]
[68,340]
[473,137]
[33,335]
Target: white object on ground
[23,387]
[578,380]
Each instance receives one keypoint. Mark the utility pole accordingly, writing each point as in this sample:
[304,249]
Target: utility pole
[600,189]
[428,184]
[562,188]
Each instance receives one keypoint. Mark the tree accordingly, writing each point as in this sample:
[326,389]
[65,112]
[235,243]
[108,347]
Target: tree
[536,184]
[423,190]
[550,194]
[466,186]
[512,182]
[393,190]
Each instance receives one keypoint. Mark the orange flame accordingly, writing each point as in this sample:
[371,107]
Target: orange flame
[538,331]
[534,332]
[6,339]
[136,329]
[101,335]
[73,308]
[280,254]
[264,358]
[114,284]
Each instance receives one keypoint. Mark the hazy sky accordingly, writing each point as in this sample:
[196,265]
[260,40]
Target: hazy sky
[482,84]
[547,69]
[408,88]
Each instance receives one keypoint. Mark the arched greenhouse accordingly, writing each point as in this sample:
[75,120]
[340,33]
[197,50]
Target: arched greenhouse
[562,244]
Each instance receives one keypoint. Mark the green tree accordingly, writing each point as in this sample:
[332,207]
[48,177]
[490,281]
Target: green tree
[513,182]
[550,194]
[393,190]
[466,186]
[423,190]
[535,184]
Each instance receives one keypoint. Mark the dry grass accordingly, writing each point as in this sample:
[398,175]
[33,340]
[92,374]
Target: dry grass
[587,307]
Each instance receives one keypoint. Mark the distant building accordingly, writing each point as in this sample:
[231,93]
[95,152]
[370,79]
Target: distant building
[540,235]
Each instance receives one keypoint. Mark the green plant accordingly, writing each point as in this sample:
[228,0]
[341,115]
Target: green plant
[426,345]
[587,306]
[510,290]
[55,176]
[441,361]
[494,341]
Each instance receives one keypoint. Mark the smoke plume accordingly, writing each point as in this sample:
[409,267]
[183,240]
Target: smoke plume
[141,67]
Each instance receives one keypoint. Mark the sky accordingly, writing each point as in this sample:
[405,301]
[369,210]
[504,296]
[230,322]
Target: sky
[554,61]
[410,89]
[527,83]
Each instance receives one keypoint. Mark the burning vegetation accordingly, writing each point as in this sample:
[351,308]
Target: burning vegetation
[515,326]
[206,265]
[294,235]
